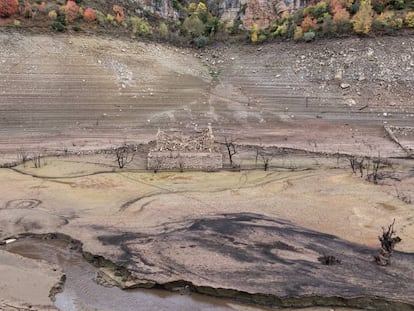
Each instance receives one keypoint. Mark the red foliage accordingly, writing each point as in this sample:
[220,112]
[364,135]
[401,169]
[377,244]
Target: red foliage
[8,8]
[71,10]
[308,24]
[120,15]
[89,15]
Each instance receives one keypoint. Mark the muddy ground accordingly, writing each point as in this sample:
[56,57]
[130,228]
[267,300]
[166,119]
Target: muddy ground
[74,96]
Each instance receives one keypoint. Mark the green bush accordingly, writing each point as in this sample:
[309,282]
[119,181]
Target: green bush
[262,37]
[316,11]
[100,17]
[140,26]
[200,41]
[409,19]
[398,4]
[355,7]
[163,30]
[212,25]
[58,26]
[308,36]
[76,28]
[328,27]
[194,26]
[281,30]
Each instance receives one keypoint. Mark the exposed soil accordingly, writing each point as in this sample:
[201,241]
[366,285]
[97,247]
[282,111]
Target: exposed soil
[74,93]
[79,95]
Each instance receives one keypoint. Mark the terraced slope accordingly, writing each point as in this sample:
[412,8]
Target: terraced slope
[75,93]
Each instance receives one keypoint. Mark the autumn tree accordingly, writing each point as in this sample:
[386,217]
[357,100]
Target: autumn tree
[340,14]
[89,15]
[119,13]
[362,21]
[8,8]
[308,24]
[71,10]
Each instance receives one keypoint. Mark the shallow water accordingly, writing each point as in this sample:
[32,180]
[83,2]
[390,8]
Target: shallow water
[82,293]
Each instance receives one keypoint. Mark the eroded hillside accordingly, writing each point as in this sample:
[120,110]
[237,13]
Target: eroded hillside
[76,93]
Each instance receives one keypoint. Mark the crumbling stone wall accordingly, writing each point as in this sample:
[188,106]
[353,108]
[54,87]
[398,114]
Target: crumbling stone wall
[176,151]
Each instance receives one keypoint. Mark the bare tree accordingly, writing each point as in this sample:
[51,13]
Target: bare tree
[22,156]
[231,150]
[123,155]
[357,164]
[388,243]
[36,160]
[265,156]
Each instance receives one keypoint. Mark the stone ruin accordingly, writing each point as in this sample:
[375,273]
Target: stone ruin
[175,151]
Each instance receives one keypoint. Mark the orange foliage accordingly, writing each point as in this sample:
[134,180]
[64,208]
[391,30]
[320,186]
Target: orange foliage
[340,14]
[89,15]
[308,24]
[71,10]
[120,15]
[8,8]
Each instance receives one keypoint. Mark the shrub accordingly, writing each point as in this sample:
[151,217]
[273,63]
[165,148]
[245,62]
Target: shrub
[354,7]
[194,26]
[339,12]
[140,26]
[89,15]
[58,26]
[362,21]
[163,30]
[202,12]
[328,27]
[387,22]
[71,10]
[308,24]
[76,28]
[262,37]
[16,23]
[8,8]
[308,36]
[200,41]
[52,15]
[398,4]
[119,13]
[281,30]
[409,19]
[100,17]
[212,25]
[254,35]
[298,35]
[379,5]
[110,18]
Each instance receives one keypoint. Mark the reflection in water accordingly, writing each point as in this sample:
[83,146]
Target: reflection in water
[81,293]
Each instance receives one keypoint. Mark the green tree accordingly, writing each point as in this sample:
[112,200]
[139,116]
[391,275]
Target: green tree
[194,26]
[362,21]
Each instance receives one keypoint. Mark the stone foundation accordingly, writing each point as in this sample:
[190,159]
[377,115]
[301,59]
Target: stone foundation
[170,160]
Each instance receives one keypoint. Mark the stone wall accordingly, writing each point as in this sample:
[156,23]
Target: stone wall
[169,160]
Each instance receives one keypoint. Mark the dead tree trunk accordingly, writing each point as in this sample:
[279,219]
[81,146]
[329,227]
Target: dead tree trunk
[231,150]
[123,156]
[388,243]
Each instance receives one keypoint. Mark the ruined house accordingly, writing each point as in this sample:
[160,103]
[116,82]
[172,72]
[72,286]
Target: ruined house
[180,152]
